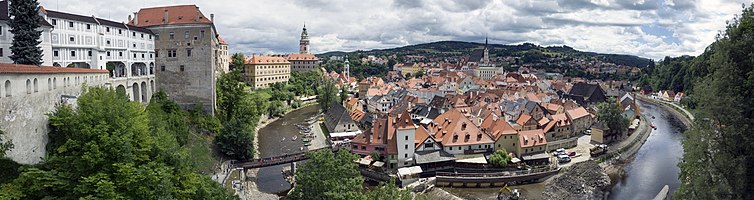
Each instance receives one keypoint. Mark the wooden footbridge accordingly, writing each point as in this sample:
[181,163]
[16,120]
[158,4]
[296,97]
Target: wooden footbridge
[275,160]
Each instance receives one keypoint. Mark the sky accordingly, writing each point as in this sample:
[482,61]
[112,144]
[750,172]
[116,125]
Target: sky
[647,28]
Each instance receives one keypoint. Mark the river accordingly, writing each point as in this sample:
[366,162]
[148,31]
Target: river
[271,143]
[656,163]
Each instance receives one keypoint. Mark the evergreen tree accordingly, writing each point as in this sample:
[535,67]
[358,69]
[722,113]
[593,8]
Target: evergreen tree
[24,24]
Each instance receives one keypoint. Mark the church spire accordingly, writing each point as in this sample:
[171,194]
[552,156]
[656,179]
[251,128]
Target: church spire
[303,45]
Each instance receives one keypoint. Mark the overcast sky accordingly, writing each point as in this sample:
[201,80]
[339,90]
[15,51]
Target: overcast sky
[648,28]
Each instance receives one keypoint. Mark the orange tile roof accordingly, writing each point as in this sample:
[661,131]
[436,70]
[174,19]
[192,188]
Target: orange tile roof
[420,135]
[260,60]
[577,112]
[32,69]
[301,57]
[523,118]
[179,14]
[351,101]
[453,129]
[356,115]
[532,138]
[220,40]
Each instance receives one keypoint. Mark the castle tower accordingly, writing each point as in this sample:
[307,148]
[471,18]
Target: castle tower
[303,45]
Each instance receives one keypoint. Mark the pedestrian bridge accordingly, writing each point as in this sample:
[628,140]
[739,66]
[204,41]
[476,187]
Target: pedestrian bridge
[494,179]
[275,160]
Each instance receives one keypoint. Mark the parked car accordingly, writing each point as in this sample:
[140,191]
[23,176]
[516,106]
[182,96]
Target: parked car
[558,152]
[571,153]
[564,159]
[588,132]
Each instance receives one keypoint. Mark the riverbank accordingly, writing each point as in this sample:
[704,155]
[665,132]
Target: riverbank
[686,117]
[250,185]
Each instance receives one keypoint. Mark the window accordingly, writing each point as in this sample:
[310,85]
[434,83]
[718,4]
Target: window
[120,54]
[134,44]
[108,54]
[162,68]
[405,155]
[405,146]
[171,53]
[55,53]
[201,34]
[71,39]
[134,55]
[142,55]
[1,30]
[28,86]
[188,52]
[142,36]
[54,22]
[90,53]
[120,31]
[172,35]
[1,52]
[107,29]
[88,26]
[73,53]
[70,24]
[156,53]
[186,35]
[108,42]
[134,34]
[407,137]
[428,145]
[181,67]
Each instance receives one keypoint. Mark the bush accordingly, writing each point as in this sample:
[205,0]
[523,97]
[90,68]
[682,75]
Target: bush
[500,158]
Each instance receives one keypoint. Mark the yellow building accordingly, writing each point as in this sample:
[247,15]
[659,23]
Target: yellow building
[410,68]
[263,71]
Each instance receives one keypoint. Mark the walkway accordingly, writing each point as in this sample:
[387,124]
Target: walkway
[272,161]
[686,112]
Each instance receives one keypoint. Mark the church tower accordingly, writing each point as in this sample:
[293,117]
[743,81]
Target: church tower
[486,58]
[347,70]
[303,45]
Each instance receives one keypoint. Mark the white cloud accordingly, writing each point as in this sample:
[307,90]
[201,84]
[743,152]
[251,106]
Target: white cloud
[605,26]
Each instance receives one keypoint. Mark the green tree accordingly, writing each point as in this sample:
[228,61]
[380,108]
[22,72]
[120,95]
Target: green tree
[230,91]
[237,60]
[500,158]
[236,139]
[327,94]
[110,148]
[389,191]
[610,114]
[24,23]
[717,162]
[4,146]
[328,175]
[343,93]
[418,74]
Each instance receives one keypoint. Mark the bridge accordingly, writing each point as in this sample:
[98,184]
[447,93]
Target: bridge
[274,160]
[493,179]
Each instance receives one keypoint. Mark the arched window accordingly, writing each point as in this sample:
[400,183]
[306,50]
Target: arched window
[54,83]
[49,84]
[8,89]
[28,86]
[36,85]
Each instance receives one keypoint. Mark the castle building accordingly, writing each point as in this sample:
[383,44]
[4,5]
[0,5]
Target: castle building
[479,62]
[263,71]
[303,61]
[6,37]
[186,48]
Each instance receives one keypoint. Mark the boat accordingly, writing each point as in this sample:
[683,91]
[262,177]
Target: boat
[294,138]
[653,116]
[653,126]
[307,140]
[307,144]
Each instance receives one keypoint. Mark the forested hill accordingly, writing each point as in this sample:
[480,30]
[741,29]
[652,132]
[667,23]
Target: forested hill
[527,51]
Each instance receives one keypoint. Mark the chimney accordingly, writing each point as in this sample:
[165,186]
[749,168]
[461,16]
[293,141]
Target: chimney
[198,14]
[212,18]
[165,19]
[136,18]
[129,18]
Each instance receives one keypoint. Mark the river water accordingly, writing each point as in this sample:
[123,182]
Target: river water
[271,143]
[656,163]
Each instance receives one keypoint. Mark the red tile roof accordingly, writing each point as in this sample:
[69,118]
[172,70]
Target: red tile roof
[257,60]
[577,112]
[301,57]
[32,69]
[453,129]
[532,138]
[180,14]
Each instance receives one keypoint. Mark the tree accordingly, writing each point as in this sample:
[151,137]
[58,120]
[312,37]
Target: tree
[418,74]
[717,161]
[237,61]
[328,175]
[236,139]
[610,114]
[500,158]
[107,148]
[4,146]
[389,191]
[230,91]
[343,93]
[24,23]
[327,94]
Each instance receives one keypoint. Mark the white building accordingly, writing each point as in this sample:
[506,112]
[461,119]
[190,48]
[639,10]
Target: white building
[95,43]
[6,37]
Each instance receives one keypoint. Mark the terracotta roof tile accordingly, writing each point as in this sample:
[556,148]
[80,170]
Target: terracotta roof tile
[257,59]
[179,14]
[532,138]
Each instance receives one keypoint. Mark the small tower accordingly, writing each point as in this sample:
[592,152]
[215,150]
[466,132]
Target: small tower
[346,70]
[303,45]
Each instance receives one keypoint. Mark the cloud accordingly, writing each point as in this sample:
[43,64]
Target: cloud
[649,28]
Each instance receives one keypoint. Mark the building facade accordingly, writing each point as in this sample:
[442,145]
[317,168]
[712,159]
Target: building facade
[302,62]
[94,43]
[223,56]
[6,37]
[263,71]
[186,48]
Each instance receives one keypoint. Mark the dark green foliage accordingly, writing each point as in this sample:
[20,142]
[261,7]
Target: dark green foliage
[111,148]
[329,175]
[237,61]
[500,158]
[327,94]
[24,24]
[239,111]
[609,113]
[8,170]
[4,146]
[718,162]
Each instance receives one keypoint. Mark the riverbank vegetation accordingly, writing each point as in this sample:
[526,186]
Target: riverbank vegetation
[500,158]
[610,114]
[112,148]
[328,175]
[717,161]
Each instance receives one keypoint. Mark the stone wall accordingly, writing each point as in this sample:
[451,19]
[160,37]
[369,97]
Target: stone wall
[23,112]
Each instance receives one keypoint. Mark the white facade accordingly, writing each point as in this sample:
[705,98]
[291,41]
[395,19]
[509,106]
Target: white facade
[404,138]
[6,41]
[94,43]
[457,150]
